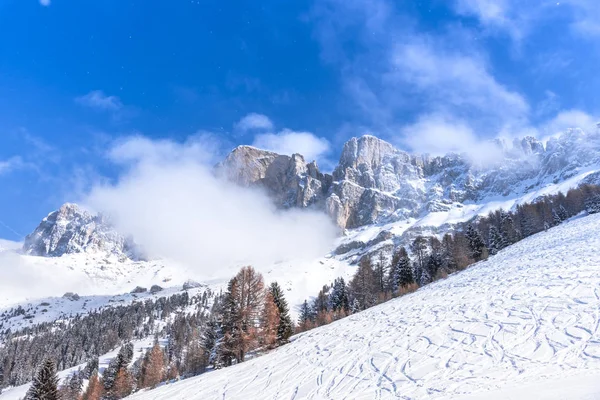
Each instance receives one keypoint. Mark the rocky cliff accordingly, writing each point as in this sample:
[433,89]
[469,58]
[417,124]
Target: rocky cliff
[375,182]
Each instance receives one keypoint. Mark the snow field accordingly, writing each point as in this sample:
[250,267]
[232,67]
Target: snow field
[528,314]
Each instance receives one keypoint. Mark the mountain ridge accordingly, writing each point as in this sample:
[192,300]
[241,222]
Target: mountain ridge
[374,183]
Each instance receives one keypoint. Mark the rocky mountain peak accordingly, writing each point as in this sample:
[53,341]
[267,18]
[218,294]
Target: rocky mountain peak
[366,150]
[289,180]
[71,229]
[246,165]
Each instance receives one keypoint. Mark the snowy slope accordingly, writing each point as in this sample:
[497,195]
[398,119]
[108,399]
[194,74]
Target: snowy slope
[31,279]
[529,314]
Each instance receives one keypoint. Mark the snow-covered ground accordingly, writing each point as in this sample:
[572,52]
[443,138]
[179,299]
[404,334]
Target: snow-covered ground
[519,325]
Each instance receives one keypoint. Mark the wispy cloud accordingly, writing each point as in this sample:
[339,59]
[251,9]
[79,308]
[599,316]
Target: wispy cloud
[99,101]
[290,142]
[45,3]
[399,70]
[568,119]
[439,134]
[518,18]
[11,164]
[254,122]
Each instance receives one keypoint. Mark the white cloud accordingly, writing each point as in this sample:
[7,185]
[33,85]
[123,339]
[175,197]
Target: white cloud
[569,119]
[45,3]
[290,142]
[498,15]
[203,147]
[517,18]
[586,19]
[97,100]
[176,208]
[399,71]
[439,135]
[11,164]
[451,78]
[254,121]
[21,277]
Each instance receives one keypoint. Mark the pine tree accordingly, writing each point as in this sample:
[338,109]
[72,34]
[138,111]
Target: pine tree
[196,358]
[556,218]
[95,390]
[496,241]
[285,326]
[563,213]
[339,301]
[123,384]
[432,266]
[91,366]
[419,249]
[153,367]
[242,307]
[269,322]
[45,384]
[75,386]
[364,285]
[592,204]
[306,317]
[400,273]
[381,271]
[121,361]
[476,243]
[508,229]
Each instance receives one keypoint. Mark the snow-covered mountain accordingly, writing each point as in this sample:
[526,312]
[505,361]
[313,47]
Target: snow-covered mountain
[523,324]
[71,229]
[375,182]
[380,195]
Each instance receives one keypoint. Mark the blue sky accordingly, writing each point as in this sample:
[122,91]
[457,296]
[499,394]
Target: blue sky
[77,76]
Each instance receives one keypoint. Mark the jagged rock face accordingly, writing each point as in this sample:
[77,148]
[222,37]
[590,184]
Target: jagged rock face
[73,230]
[375,182]
[289,180]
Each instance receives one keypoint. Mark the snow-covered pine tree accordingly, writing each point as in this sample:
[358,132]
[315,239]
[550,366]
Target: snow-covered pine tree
[496,241]
[556,220]
[45,383]
[306,318]
[338,296]
[563,213]
[476,243]
[419,249]
[432,266]
[285,327]
[592,205]
[90,367]
[122,360]
[400,273]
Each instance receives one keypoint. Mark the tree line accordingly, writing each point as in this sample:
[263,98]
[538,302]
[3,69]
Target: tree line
[427,259]
[248,318]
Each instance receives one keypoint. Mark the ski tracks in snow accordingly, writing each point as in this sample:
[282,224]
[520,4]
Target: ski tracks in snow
[530,312]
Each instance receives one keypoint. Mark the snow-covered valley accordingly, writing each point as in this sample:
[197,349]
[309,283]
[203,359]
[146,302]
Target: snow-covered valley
[525,318]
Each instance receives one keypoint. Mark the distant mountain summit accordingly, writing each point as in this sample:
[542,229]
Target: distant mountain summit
[72,229]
